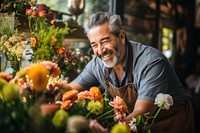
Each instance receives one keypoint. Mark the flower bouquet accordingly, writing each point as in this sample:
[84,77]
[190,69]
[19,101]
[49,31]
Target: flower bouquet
[47,101]
[144,122]
[37,100]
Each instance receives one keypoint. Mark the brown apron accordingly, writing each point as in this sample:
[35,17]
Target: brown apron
[127,92]
[178,119]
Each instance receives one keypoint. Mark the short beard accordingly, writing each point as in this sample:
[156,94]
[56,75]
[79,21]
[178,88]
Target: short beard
[111,64]
[116,57]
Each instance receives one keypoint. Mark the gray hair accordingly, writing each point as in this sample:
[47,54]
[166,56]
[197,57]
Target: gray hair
[114,21]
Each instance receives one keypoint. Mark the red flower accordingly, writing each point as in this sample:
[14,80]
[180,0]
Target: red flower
[34,14]
[28,11]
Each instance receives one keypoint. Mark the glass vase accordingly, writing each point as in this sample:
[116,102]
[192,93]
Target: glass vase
[12,67]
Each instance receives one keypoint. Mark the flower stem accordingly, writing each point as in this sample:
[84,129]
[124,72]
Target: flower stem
[109,116]
[155,116]
[148,131]
[88,114]
[105,114]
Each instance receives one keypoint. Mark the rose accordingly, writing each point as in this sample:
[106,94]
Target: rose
[164,101]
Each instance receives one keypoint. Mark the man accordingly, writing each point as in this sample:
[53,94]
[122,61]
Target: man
[135,72]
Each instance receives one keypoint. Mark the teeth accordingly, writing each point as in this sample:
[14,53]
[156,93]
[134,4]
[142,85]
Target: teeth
[107,55]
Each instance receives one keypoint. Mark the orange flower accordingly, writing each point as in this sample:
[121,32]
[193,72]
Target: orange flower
[96,92]
[70,95]
[38,76]
[53,21]
[66,104]
[33,41]
[60,50]
[42,13]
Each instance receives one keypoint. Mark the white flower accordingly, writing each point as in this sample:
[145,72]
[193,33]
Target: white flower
[164,101]
[133,125]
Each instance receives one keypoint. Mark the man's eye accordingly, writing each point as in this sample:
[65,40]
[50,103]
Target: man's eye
[93,45]
[106,41]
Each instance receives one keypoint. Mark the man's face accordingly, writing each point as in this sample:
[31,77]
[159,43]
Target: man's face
[105,45]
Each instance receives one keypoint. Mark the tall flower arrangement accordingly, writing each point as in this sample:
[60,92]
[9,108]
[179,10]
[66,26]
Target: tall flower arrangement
[46,37]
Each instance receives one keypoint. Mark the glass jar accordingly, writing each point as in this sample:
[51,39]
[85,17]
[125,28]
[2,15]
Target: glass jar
[12,67]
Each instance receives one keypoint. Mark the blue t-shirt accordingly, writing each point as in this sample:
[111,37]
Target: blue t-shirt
[152,74]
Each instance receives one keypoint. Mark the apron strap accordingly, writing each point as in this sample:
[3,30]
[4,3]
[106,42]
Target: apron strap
[130,63]
[106,75]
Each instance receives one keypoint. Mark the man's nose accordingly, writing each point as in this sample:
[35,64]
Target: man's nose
[100,49]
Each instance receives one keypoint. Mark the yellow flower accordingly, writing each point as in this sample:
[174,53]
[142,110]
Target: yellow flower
[120,128]
[95,107]
[38,76]
[53,40]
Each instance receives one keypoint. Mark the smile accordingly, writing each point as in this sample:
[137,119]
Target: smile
[106,55]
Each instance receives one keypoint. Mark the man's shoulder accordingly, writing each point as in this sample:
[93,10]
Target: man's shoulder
[95,64]
[145,50]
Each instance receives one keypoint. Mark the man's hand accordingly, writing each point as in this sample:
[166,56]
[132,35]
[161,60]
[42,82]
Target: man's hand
[141,107]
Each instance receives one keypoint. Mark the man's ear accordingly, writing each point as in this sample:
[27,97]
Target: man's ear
[123,36]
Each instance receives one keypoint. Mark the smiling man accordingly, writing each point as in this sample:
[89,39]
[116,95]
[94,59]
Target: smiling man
[136,73]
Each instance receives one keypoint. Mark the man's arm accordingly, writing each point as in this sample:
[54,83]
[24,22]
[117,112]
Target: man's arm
[75,86]
[141,107]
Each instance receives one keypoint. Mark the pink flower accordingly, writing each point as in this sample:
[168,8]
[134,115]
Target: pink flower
[120,109]
[85,95]
[119,104]
[51,67]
